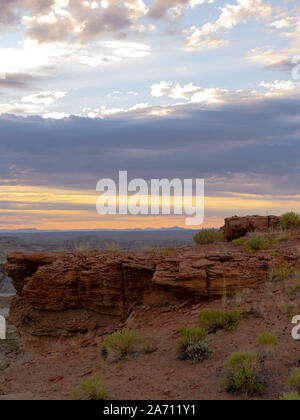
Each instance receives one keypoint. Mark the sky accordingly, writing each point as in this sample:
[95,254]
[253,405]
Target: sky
[161,88]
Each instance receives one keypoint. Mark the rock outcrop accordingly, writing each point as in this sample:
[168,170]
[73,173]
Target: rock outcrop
[237,227]
[64,294]
[60,295]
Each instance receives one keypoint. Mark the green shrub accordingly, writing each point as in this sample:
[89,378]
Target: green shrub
[284,272]
[291,396]
[290,309]
[242,374]
[294,380]
[193,344]
[290,220]
[191,335]
[238,242]
[123,341]
[208,236]
[91,389]
[284,236]
[293,290]
[257,243]
[213,320]
[267,341]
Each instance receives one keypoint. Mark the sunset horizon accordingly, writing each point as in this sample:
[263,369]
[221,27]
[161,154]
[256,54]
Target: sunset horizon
[173,89]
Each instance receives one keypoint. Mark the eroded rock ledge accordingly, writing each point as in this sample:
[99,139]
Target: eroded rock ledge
[63,294]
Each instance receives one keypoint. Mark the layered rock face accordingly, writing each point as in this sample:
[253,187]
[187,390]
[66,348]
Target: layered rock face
[237,227]
[64,294]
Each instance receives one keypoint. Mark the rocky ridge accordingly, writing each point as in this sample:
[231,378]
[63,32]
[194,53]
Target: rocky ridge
[61,295]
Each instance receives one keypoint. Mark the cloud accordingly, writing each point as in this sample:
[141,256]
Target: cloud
[255,142]
[188,92]
[18,80]
[37,58]
[278,87]
[33,104]
[198,94]
[159,9]
[12,10]
[44,98]
[196,41]
[231,15]
[288,27]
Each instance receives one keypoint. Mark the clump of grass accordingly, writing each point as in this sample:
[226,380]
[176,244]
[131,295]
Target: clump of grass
[191,335]
[281,274]
[290,220]
[193,344]
[284,236]
[122,342]
[167,250]
[238,242]
[288,308]
[257,243]
[91,389]
[214,321]
[82,245]
[242,374]
[294,380]
[267,341]
[293,289]
[290,396]
[208,236]
[112,246]
[284,272]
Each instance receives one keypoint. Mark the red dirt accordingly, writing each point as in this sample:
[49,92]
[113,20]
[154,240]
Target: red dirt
[159,375]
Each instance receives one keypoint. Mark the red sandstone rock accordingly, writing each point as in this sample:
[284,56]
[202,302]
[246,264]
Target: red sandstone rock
[64,294]
[237,227]
[61,295]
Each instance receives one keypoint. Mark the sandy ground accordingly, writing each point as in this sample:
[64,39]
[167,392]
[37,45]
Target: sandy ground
[160,375]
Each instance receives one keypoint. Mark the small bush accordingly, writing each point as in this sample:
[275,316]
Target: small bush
[293,290]
[257,243]
[284,272]
[267,341]
[290,220]
[290,309]
[193,344]
[112,246]
[294,380]
[242,374]
[284,236]
[191,335]
[214,321]
[238,242]
[91,389]
[208,236]
[123,342]
[291,396]
[167,250]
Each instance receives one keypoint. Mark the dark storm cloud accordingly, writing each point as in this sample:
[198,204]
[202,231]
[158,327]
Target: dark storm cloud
[260,140]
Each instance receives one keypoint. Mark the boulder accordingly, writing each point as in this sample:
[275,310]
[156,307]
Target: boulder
[237,227]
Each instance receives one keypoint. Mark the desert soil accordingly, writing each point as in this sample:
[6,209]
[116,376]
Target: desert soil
[160,375]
